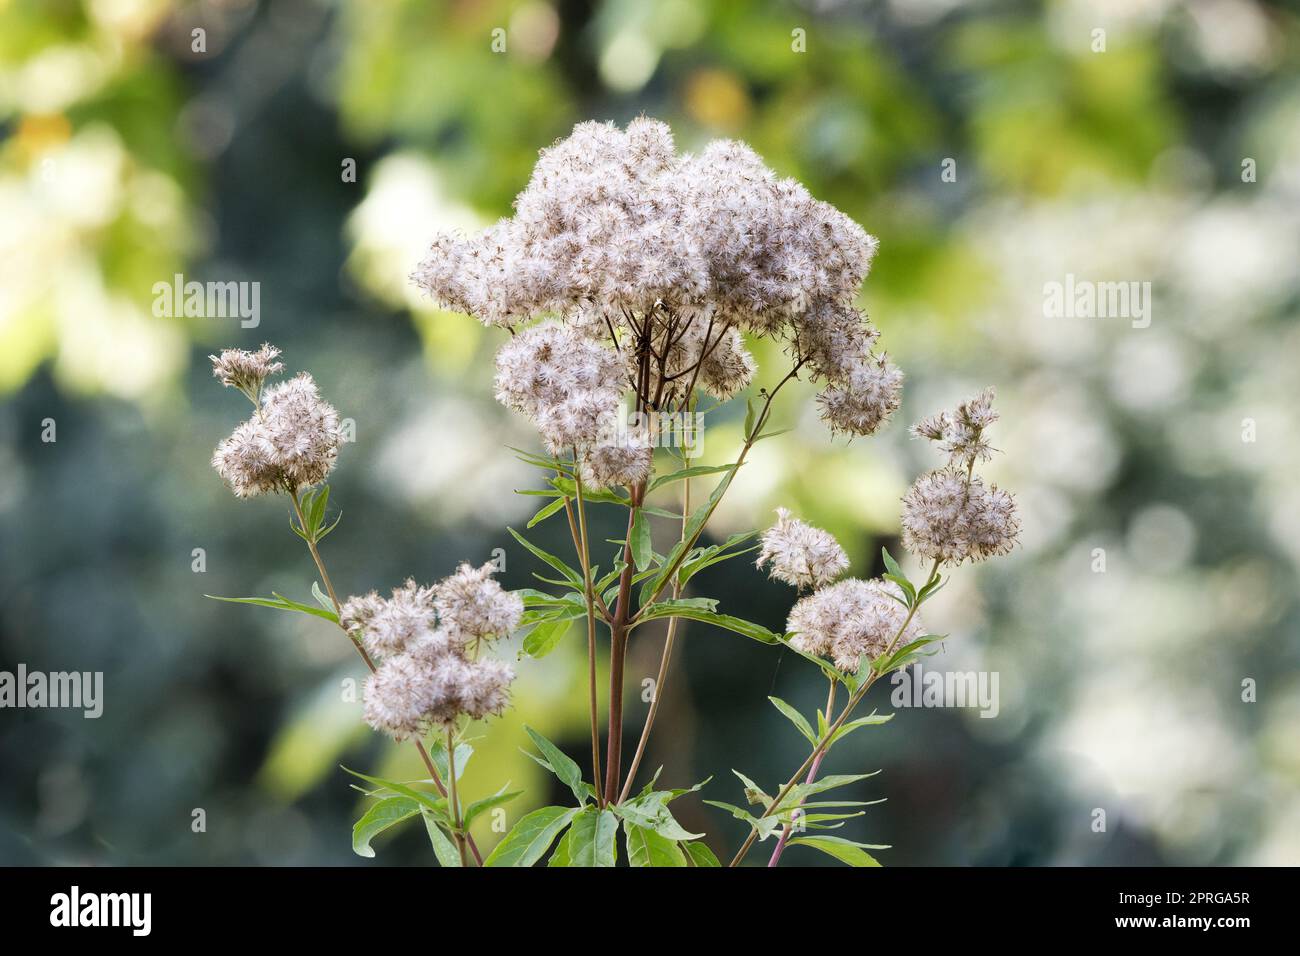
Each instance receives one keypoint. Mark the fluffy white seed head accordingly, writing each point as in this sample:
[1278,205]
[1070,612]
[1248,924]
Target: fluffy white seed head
[800,554]
[960,432]
[388,627]
[472,606]
[429,674]
[400,695]
[301,429]
[293,440]
[485,691]
[627,462]
[245,462]
[851,620]
[246,371]
[870,392]
[951,518]
[618,220]
[565,381]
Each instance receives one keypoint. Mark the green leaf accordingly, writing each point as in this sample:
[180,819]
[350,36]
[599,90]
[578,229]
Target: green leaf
[753,792]
[844,850]
[546,464]
[765,826]
[569,488]
[543,638]
[321,597]
[690,608]
[443,848]
[437,804]
[559,764]
[700,855]
[829,782]
[317,516]
[871,720]
[773,434]
[895,574]
[693,472]
[572,601]
[530,838]
[561,856]
[280,604]
[795,718]
[750,412]
[547,511]
[642,547]
[650,811]
[487,803]
[591,839]
[905,654]
[714,554]
[438,753]
[690,532]
[382,814]
[648,848]
[571,576]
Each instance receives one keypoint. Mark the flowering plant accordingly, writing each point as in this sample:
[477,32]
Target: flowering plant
[627,280]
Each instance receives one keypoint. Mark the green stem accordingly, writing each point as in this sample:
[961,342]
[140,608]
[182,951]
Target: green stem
[454,802]
[584,556]
[663,665]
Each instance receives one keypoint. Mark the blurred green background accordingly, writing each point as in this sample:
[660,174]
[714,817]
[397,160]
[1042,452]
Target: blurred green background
[128,157]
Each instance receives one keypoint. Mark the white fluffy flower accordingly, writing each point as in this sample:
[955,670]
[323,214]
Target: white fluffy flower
[485,690]
[800,554]
[960,432]
[627,462]
[871,391]
[850,620]
[471,605]
[565,381]
[387,627]
[400,695]
[617,219]
[245,463]
[246,371]
[950,518]
[291,443]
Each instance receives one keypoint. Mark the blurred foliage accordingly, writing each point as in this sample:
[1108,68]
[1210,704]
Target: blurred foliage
[128,156]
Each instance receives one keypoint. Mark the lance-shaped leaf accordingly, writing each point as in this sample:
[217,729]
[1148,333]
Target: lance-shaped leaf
[647,848]
[844,850]
[280,603]
[592,839]
[379,816]
[555,760]
[530,838]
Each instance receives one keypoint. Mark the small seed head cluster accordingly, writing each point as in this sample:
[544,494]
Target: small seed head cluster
[960,432]
[626,462]
[426,640]
[246,371]
[567,383]
[291,442]
[950,515]
[852,620]
[800,554]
